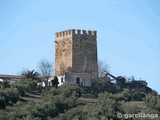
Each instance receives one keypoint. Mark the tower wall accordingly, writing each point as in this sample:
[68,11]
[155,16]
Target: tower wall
[84,58]
[76,50]
[63,52]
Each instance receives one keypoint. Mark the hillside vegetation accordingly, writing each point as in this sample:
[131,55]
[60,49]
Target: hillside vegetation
[25,100]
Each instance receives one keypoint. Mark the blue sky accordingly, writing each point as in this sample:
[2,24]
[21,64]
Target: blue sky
[128,33]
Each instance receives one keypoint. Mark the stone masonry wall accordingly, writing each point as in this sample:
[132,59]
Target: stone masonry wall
[85,52]
[63,52]
[77,50]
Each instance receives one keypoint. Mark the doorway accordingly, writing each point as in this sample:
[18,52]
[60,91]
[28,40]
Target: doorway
[77,80]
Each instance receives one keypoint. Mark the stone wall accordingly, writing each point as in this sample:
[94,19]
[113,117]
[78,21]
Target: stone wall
[76,50]
[85,52]
[63,52]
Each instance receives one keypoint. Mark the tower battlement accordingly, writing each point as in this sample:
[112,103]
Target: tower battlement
[76,32]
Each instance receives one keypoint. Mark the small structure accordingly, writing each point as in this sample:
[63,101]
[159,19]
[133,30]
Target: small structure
[11,78]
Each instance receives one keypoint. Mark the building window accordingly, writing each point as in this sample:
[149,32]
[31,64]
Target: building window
[61,79]
[78,81]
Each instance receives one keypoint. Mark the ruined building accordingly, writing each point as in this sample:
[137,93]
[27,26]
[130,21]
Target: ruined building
[76,57]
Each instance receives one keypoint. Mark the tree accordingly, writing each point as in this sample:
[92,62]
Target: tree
[102,68]
[29,82]
[5,84]
[33,75]
[46,70]
[55,82]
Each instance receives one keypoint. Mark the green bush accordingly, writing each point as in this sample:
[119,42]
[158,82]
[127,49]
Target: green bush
[2,103]
[137,96]
[5,84]
[30,117]
[21,89]
[32,86]
[105,108]
[51,92]
[9,95]
[39,111]
[3,117]
[44,111]
[27,85]
[130,109]
[53,102]
[17,114]
[123,96]
[153,101]
[3,94]
[20,111]
[74,114]
[13,95]
[108,104]
[50,110]
[69,90]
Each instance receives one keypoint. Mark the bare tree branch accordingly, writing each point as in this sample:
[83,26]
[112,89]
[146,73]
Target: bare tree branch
[46,70]
[103,68]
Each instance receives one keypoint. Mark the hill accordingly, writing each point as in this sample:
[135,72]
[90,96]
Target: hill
[27,101]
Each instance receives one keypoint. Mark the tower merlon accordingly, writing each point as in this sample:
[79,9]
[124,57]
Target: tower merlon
[84,32]
[94,32]
[64,33]
[75,32]
[78,31]
[89,32]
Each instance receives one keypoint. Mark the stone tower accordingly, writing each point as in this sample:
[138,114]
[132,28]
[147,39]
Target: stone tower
[76,56]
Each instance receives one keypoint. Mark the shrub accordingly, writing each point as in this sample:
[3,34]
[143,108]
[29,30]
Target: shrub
[105,108]
[21,112]
[5,84]
[74,114]
[13,95]
[9,95]
[6,97]
[108,104]
[17,114]
[69,90]
[51,92]
[54,101]
[2,103]
[32,86]
[125,95]
[60,103]
[153,101]
[51,110]
[130,109]
[27,85]
[21,89]
[44,111]
[137,96]
[3,117]
[39,111]
[30,117]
